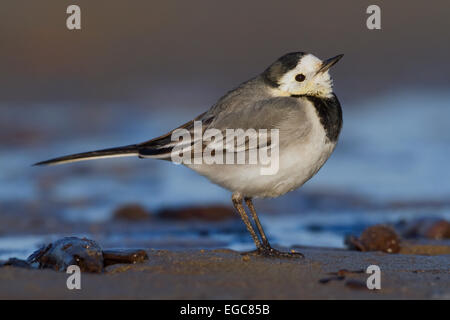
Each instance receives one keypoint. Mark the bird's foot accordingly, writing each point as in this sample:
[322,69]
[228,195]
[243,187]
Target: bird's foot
[269,252]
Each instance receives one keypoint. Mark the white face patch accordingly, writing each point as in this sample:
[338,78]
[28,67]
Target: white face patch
[315,84]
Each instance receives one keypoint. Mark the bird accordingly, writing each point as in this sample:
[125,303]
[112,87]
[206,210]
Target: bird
[294,96]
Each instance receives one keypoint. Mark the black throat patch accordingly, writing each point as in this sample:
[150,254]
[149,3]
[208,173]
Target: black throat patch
[330,114]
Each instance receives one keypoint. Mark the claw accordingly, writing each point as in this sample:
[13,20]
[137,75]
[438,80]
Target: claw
[269,252]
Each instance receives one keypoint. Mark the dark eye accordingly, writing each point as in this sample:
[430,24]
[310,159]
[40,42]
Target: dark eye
[300,77]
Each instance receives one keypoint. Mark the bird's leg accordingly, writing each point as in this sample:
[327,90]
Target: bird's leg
[237,202]
[266,249]
[249,203]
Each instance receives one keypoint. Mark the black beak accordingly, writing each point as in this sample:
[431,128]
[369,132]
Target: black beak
[327,64]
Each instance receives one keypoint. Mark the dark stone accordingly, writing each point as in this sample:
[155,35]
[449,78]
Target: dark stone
[85,253]
[430,228]
[14,262]
[130,256]
[326,280]
[344,272]
[131,212]
[212,213]
[376,238]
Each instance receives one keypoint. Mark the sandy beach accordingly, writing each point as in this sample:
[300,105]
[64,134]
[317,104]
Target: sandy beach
[226,274]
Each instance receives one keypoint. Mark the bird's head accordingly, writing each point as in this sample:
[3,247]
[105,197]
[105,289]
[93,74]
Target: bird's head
[300,73]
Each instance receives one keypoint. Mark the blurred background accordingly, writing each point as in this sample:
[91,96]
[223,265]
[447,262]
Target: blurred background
[137,70]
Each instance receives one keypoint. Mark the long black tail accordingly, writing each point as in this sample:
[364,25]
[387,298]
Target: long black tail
[125,151]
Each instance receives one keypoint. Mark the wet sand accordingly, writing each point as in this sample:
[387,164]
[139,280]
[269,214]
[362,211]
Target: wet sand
[226,274]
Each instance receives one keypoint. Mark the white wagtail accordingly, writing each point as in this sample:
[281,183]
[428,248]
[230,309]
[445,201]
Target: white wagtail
[293,95]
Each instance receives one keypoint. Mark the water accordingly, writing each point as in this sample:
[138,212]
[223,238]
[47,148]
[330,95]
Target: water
[391,164]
